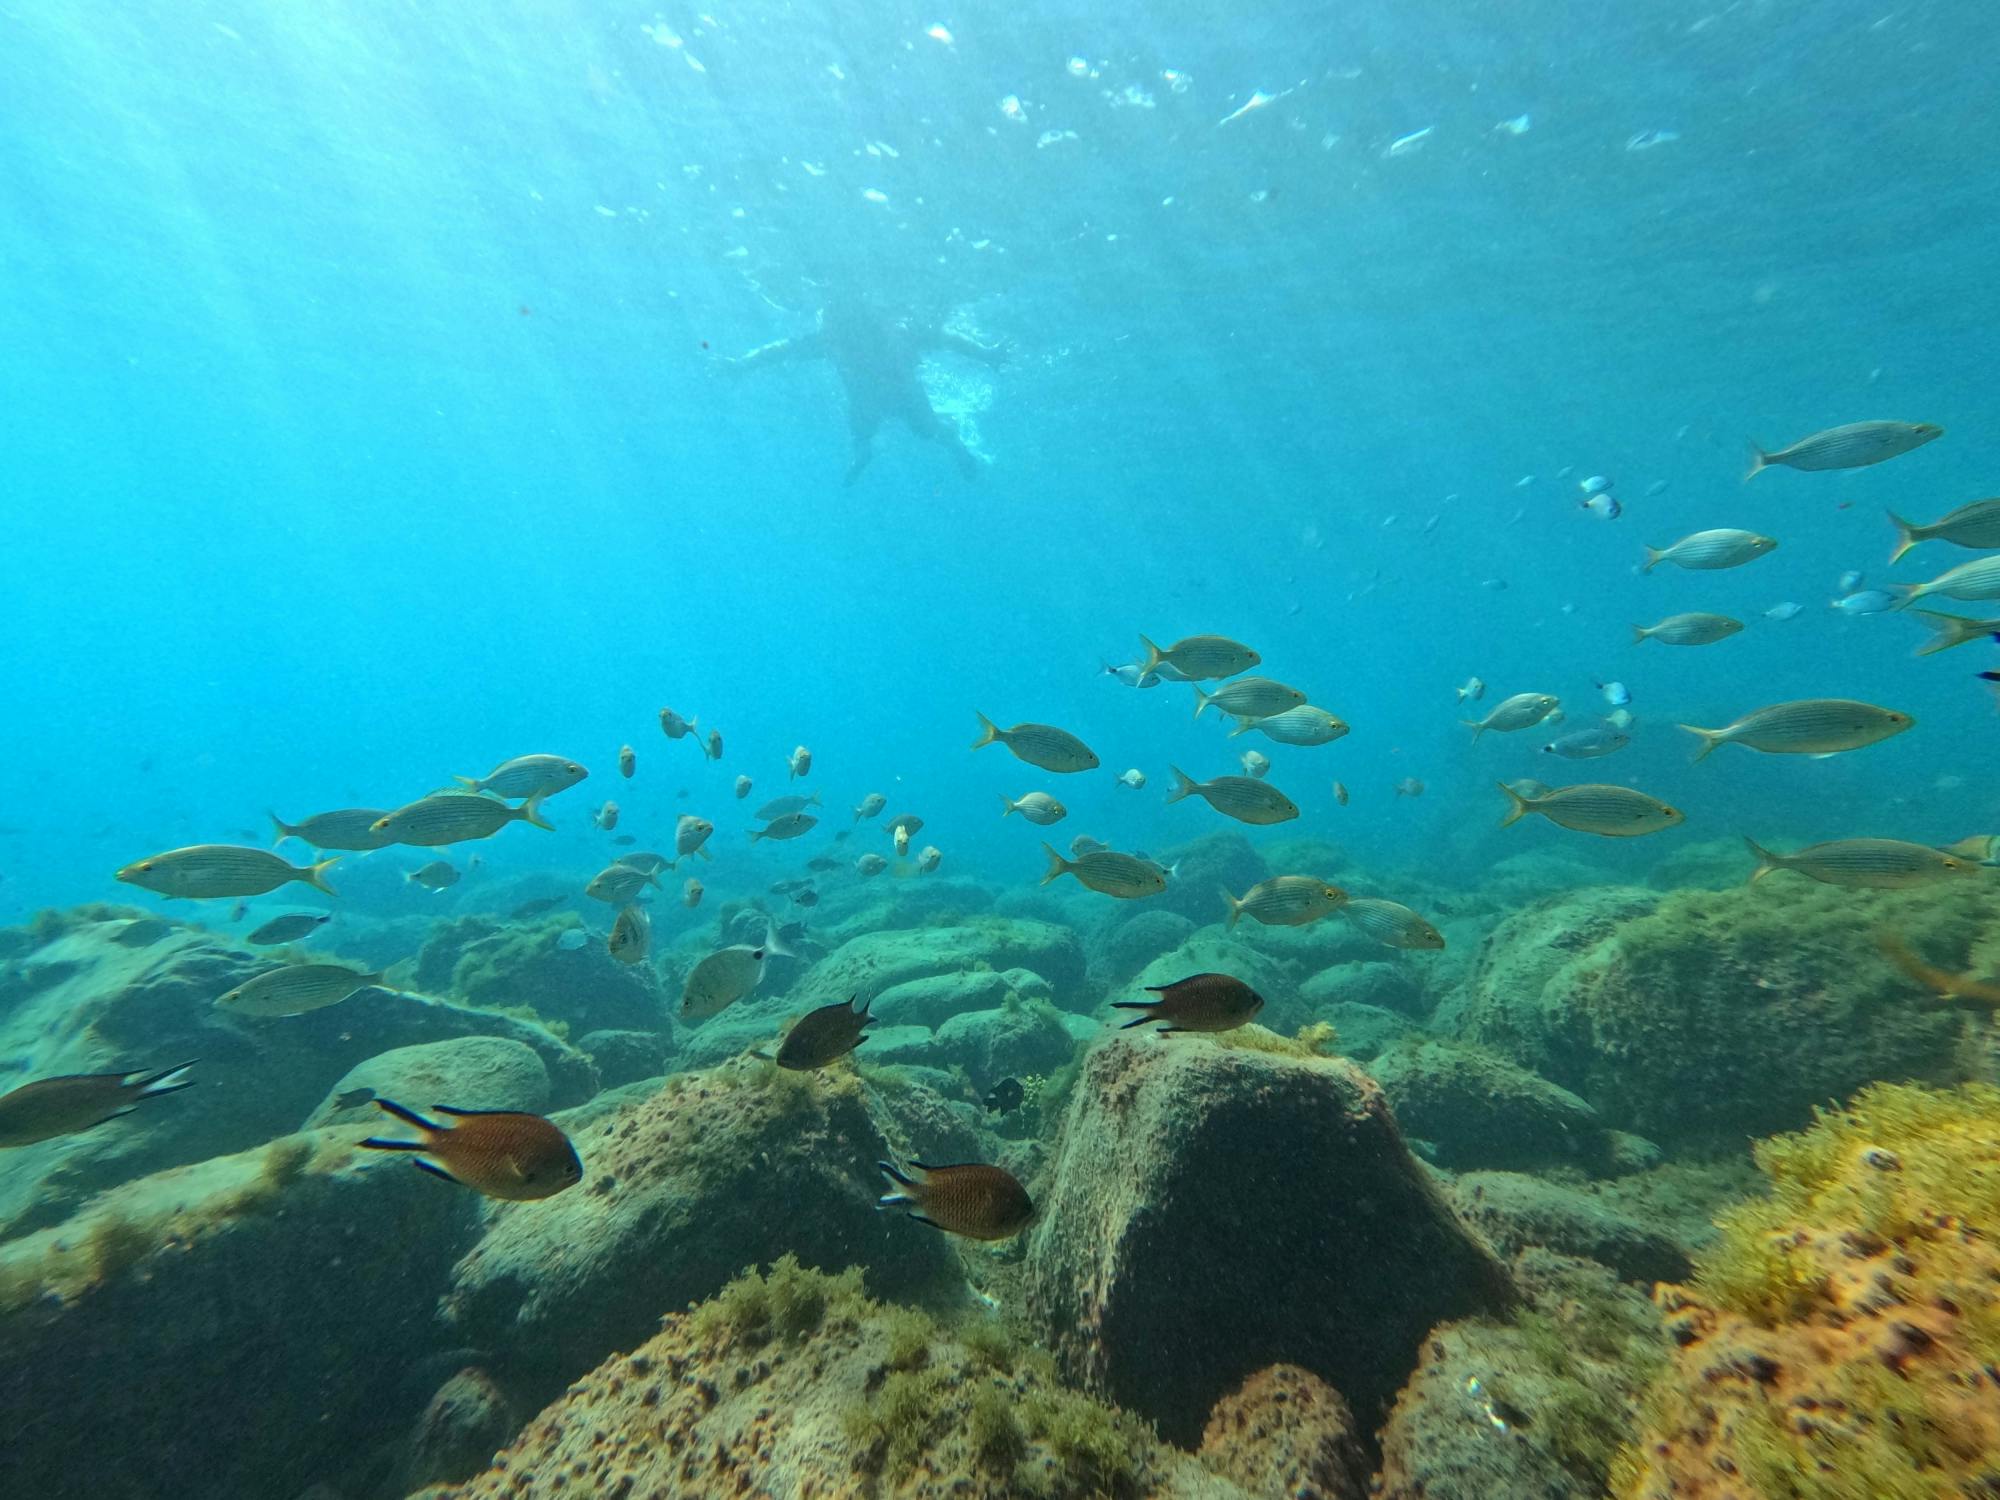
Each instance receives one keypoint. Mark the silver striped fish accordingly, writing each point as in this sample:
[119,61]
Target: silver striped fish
[1854,446]
[1391,923]
[1304,725]
[1196,657]
[1041,745]
[1971,581]
[1612,812]
[1249,698]
[454,817]
[1687,630]
[1809,726]
[1976,526]
[1286,901]
[1708,550]
[618,884]
[296,989]
[350,828]
[203,872]
[1953,630]
[1522,711]
[1106,871]
[525,775]
[1874,864]
[1240,797]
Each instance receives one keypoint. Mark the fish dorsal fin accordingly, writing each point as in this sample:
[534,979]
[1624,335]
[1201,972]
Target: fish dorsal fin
[468,1114]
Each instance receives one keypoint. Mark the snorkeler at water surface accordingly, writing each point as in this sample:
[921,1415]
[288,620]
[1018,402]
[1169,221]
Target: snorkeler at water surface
[877,357]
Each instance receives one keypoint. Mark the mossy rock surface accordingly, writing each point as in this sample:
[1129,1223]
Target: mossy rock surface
[1479,1109]
[874,962]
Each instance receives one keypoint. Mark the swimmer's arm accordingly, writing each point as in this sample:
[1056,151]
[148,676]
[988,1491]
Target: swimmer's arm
[784,351]
[990,354]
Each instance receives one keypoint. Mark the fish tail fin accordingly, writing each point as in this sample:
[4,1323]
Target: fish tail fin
[1709,738]
[315,874]
[1759,462]
[1244,726]
[1009,804]
[470,783]
[1653,556]
[1153,657]
[1148,1006]
[1517,805]
[1766,860]
[531,812]
[756,834]
[989,732]
[284,830]
[1184,784]
[1476,727]
[165,1081]
[1640,635]
[1907,593]
[1057,864]
[1201,699]
[1905,536]
[1952,630]
[901,1179]
[773,945]
[394,977]
[1235,906]
[404,1113]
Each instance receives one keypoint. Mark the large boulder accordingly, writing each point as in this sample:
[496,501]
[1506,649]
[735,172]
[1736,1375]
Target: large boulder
[872,963]
[1513,1211]
[1191,1182]
[936,998]
[1123,942]
[1374,981]
[525,964]
[1206,867]
[1478,1109]
[682,1189]
[474,1072]
[1287,1432]
[1011,1042]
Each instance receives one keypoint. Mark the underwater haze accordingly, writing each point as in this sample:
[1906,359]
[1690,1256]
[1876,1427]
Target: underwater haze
[394,390]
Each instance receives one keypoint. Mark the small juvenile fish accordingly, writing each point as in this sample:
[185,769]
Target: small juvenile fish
[454,817]
[288,928]
[536,907]
[1810,726]
[1687,630]
[1612,812]
[1304,725]
[1522,711]
[1596,484]
[800,761]
[1201,1002]
[1134,778]
[628,761]
[572,938]
[691,893]
[1784,611]
[1615,693]
[1976,526]
[1587,744]
[606,817]
[929,858]
[1472,689]
[624,841]
[1604,506]
[1977,580]
[496,1152]
[1109,873]
[714,747]
[206,872]
[1037,807]
[631,935]
[1286,901]
[1005,1096]
[870,806]
[50,1107]
[1391,923]
[1409,786]
[824,1035]
[1875,864]
[690,833]
[435,876]
[1867,602]
[1249,698]
[871,864]
[742,787]
[1256,764]
[1340,793]
[1084,844]
[902,842]
[971,1199]
[645,860]
[1849,581]
[790,826]
[674,726]
[618,884]
[1953,630]
[722,978]
[141,932]
[1707,550]
[1041,745]
[525,776]
[296,989]
[1854,446]
[778,807]
[1198,657]
[1237,797]
[904,823]
[349,828]
[823,863]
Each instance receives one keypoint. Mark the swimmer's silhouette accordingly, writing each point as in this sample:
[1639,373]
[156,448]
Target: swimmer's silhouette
[876,357]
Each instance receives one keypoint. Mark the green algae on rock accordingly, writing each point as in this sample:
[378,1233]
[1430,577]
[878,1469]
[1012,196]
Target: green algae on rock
[1478,1109]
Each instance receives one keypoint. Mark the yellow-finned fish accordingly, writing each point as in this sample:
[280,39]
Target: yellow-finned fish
[1870,864]
[1036,807]
[1286,901]
[1304,725]
[526,775]
[1855,446]
[1707,550]
[1250,698]
[631,935]
[618,884]
[497,1152]
[1612,812]
[1243,798]
[1687,630]
[1201,1002]
[207,872]
[1041,745]
[1975,526]
[1522,711]
[1940,982]
[1974,582]
[296,989]
[1952,630]
[288,928]
[50,1107]
[1809,726]
[1197,657]
[1391,923]
[1980,848]
[348,828]
[455,817]
[978,1201]
[1109,873]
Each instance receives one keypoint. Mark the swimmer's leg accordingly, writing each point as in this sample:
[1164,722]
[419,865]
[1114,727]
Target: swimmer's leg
[923,420]
[862,426]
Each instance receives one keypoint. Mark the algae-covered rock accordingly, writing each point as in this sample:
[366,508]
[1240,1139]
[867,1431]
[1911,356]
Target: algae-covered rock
[717,1168]
[793,1383]
[1478,1109]
[623,1057]
[1007,1043]
[1287,1432]
[872,963]
[1205,867]
[936,998]
[228,1329]
[523,964]
[1193,1188]
[461,1427]
[1124,942]
[1365,1030]
[1842,1332]
[1513,1211]
[1383,983]
[473,1072]
[1723,1013]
